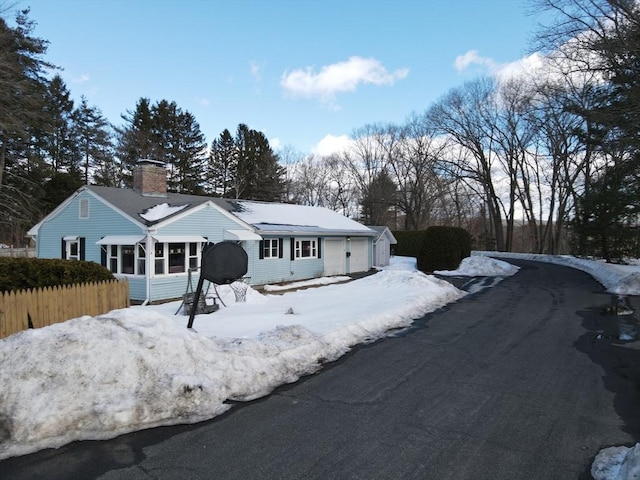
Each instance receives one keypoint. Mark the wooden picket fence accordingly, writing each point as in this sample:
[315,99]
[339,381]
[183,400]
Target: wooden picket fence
[35,308]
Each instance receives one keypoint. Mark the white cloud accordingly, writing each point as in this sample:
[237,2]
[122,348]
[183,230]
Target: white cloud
[524,66]
[463,62]
[338,78]
[83,78]
[275,143]
[332,144]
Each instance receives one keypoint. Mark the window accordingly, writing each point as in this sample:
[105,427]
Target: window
[124,259]
[193,256]
[142,258]
[158,253]
[271,248]
[113,258]
[176,257]
[127,255]
[72,248]
[84,208]
[306,249]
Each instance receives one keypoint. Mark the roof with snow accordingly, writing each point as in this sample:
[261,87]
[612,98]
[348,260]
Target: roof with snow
[264,217]
[289,218]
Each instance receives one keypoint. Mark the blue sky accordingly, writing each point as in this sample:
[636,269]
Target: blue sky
[298,70]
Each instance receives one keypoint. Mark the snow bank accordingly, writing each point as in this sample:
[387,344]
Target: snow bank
[617,463]
[136,368]
[618,279]
[481,266]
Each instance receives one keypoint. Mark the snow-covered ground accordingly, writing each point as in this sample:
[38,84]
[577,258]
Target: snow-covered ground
[136,368]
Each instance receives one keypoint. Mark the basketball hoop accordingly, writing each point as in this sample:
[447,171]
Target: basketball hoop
[240,288]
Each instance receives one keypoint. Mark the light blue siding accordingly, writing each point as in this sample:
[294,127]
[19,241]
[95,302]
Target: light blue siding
[102,221]
[207,222]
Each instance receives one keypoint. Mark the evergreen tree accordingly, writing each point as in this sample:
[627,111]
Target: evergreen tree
[135,140]
[22,81]
[166,133]
[93,137]
[22,93]
[56,140]
[259,176]
[377,200]
[222,166]
[609,210]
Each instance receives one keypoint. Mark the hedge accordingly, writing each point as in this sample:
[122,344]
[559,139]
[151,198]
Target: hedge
[436,248]
[22,273]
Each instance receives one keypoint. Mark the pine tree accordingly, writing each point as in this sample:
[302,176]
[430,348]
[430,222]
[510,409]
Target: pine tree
[135,140]
[222,166]
[22,81]
[93,136]
[259,176]
[57,142]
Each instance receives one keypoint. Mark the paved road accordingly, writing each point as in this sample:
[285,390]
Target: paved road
[510,383]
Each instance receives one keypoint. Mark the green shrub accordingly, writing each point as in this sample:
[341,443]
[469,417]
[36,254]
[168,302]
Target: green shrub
[409,243]
[443,248]
[23,273]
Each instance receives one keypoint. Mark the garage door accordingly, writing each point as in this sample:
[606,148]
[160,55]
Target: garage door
[334,257]
[359,259]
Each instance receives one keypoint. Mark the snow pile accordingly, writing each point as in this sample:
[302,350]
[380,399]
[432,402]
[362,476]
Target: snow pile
[481,266]
[618,279]
[160,211]
[135,368]
[307,283]
[617,463]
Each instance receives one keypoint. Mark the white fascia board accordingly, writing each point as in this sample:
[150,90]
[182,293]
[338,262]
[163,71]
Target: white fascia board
[188,211]
[246,235]
[33,231]
[143,227]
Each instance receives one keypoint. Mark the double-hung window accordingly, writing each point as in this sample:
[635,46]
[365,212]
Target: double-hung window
[271,248]
[306,248]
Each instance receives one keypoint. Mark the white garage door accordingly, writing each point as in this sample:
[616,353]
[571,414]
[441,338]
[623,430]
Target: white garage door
[334,257]
[359,259]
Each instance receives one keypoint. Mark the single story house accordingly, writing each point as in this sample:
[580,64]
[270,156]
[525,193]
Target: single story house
[382,245]
[154,238]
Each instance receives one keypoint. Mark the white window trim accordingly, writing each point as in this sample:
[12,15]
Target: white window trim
[83,204]
[298,248]
[277,247]
[118,258]
[165,258]
[68,244]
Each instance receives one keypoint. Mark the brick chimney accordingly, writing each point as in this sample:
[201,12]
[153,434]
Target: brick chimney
[150,178]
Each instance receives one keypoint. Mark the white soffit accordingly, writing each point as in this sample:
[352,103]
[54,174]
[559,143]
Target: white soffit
[180,239]
[241,235]
[120,240]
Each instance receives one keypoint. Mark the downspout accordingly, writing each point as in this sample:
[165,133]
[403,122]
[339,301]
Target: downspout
[148,265]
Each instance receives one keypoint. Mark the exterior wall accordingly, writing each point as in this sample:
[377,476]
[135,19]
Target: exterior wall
[275,270]
[382,250]
[102,221]
[207,222]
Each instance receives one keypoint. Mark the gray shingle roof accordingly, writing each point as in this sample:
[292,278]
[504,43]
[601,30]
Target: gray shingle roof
[133,203]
